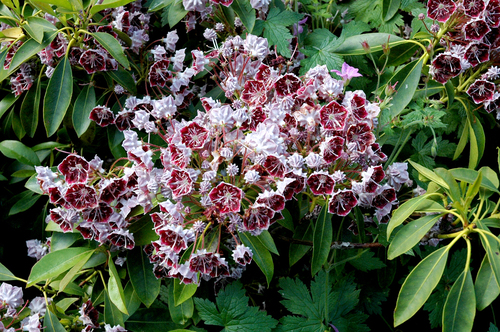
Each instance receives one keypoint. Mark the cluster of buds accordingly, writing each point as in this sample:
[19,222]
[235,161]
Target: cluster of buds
[471,38]
[233,167]
[12,306]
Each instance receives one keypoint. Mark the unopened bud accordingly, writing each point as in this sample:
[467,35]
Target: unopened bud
[421,16]
[386,49]
[434,150]
[390,89]
[366,47]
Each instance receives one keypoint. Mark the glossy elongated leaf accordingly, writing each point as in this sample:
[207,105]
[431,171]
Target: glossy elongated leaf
[132,301]
[322,239]
[181,313]
[450,92]
[115,288]
[84,103]
[404,211]
[183,292]
[353,45]
[464,138]
[36,26]
[490,245]
[460,306]
[477,129]
[125,79]
[11,34]
[389,9]
[24,203]
[108,4]
[156,5]
[430,175]
[59,3]
[287,220]
[112,315]
[176,13]
[411,234]
[245,12]
[55,263]
[65,303]
[57,96]
[5,274]
[261,255]
[470,175]
[267,240]
[7,102]
[51,322]
[419,285]
[473,147]
[140,271]
[112,46]
[74,270]
[303,231]
[151,320]
[486,287]
[61,240]
[454,189]
[20,152]
[30,109]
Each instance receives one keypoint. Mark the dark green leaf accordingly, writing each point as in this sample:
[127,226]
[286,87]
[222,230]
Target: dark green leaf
[389,9]
[460,307]
[115,288]
[125,79]
[140,271]
[112,46]
[322,240]
[245,12]
[486,287]
[183,292]
[30,109]
[59,3]
[74,270]
[108,4]
[25,203]
[5,274]
[183,312]
[261,255]
[404,211]
[287,220]
[36,26]
[112,315]
[132,301]
[61,240]
[267,240]
[151,320]
[303,231]
[84,104]
[367,262]
[20,152]
[7,102]
[51,322]
[57,96]
[276,31]
[469,176]
[176,13]
[353,45]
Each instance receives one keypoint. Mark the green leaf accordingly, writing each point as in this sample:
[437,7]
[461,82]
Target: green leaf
[20,152]
[411,234]
[460,306]
[60,240]
[261,255]
[431,175]
[5,274]
[30,109]
[112,315]
[287,220]
[404,211]
[84,104]
[324,54]
[303,231]
[276,31]
[133,302]
[181,313]
[7,102]
[57,96]
[469,176]
[51,322]
[367,262]
[115,288]
[267,241]
[65,303]
[55,263]
[24,203]
[486,287]
[183,292]
[59,3]
[140,271]
[389,9]
[112,46]
[233,313]
[454,190]
[36,26]
[176,13]
[74,270]
[125,79]
[151,320]
[353,45]
[108,4]
[419,285]
[245,12]
[322,239]
[490,245]
[156,5]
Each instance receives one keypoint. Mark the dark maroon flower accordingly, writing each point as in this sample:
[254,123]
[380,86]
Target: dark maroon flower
[10,54]
[477,53]
[160,271]
[474,8]
[102,115]
[287,85]
[92,61]
[493,105]
[74,168]
[74,55]
[107,29]
[101,213]
[274,166]
[481,91]
[321,183]
[124,120]
[257,218]
[180,182]
[273,200]
[174,237]
[492,13]
[342,203]
[159,73]
[202,261]
[59,45]
[359,137]
[294,187]
[57,198]
[81,196]
[64,218]
[449,63]
[388,195]
[254,92]
[220,267]
[256,115]
[89,315]
[358,107]
[194,136]
[440,10]
[331,148]
[179,157]
[264,73]
[226,197]
[113,190]
[333,116]
[122,238]
[242,255]
[476,29]
[87,230]
[492,38]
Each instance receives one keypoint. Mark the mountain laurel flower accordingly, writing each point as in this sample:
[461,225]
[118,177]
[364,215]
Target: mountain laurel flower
[242,255]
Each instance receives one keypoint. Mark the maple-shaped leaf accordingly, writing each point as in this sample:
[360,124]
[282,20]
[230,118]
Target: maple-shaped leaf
[276,31]
[340,299]
[367,262]
[233,313]
[324,54]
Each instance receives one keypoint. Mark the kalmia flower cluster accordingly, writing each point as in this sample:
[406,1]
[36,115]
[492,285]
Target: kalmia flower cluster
[233,167]
[472,39]
[12,306]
